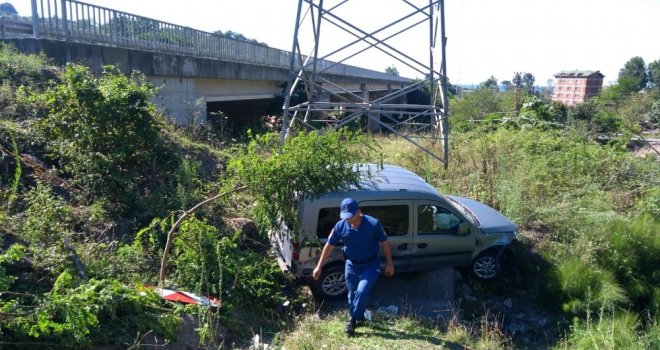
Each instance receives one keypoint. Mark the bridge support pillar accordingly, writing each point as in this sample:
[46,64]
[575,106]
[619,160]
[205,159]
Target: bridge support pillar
[179,98]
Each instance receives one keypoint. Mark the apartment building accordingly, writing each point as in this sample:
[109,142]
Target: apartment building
[573,87]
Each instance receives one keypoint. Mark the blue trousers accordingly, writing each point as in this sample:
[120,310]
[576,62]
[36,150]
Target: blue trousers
[360,280]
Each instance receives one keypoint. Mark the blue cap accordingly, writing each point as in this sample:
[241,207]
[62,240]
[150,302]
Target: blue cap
[347,208]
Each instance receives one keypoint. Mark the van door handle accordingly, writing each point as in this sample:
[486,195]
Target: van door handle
[422,245]
[403,246]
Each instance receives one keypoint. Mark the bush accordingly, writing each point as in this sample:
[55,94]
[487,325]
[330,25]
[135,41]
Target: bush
[305,166]
[14,253]
[196,258]
[45,224]
[45,221]
[210,263]
[105,134]
[248,282]
[18,69]
[94,312]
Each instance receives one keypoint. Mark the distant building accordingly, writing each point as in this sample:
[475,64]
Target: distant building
[573,87]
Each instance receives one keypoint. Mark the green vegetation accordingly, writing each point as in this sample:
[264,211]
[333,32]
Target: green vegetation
[92,173]
[309,164]
[104,133]
[590,205]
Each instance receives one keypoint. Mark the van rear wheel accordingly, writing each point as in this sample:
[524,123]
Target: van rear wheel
[332,283]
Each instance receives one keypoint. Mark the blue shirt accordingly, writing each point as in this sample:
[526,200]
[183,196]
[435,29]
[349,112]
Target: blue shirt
[360,243]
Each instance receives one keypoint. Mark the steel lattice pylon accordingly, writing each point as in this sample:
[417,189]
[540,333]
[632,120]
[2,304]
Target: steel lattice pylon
[330,105]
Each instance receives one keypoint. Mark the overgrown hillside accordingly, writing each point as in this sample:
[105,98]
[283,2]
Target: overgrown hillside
[99,199]
[92,179]
[102,199]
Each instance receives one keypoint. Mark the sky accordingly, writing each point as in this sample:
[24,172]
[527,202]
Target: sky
[484,37]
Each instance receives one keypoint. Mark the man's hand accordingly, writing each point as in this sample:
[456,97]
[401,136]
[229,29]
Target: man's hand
[389,270]
[316,273]
[325,253]
[389,265]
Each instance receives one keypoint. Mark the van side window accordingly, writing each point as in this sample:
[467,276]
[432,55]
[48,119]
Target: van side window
[394,218]
[328,217]
[432,219]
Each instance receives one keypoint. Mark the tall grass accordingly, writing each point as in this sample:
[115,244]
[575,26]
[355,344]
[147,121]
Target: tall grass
[596,207]
[525,173]
[620,331]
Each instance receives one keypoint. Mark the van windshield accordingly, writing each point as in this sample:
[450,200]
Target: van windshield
[465,210]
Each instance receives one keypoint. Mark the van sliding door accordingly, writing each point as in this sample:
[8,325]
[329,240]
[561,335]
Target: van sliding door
[396,218]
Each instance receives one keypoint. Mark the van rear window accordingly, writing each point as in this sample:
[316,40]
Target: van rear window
[394,218]
[328,217]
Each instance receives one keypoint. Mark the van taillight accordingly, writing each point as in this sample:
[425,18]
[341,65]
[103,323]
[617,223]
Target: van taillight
[295,254]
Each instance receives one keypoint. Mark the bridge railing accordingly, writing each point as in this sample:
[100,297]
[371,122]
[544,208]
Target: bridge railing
[73,20]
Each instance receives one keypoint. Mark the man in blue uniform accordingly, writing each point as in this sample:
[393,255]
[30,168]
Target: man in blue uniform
[362,236]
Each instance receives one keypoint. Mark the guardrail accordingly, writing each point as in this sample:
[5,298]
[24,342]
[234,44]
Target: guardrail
[72,20]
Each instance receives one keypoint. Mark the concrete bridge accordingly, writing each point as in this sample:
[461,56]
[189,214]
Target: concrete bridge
[198,72]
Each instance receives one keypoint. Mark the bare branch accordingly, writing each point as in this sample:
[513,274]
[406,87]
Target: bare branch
[172,232]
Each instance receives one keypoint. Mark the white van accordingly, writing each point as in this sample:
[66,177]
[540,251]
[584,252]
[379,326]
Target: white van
[425,229]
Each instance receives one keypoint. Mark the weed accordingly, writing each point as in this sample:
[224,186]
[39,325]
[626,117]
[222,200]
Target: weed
[618,331]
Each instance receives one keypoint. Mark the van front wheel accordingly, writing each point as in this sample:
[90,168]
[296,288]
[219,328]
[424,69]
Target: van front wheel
[332,283]
[486,266]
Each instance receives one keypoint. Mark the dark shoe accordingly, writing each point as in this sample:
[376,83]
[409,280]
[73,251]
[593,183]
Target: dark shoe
[350,327]
[359,322]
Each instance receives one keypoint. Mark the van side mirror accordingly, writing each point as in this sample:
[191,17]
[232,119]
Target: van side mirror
[463,229]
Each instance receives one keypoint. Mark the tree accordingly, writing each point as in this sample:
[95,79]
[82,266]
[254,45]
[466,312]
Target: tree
[538,113]
[618,92]
[392,70]
[654,114]
[490,83]
[528,80]
[635,68]
[654,73]
[517,80]
[238,36]
[507,85]
[7,9]
[546,91]
[473,106]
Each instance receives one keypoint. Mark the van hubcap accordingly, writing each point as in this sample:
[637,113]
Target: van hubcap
[485,267]
[334,284]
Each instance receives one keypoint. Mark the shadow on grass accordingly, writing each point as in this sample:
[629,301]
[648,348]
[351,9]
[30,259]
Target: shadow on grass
[392,334]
